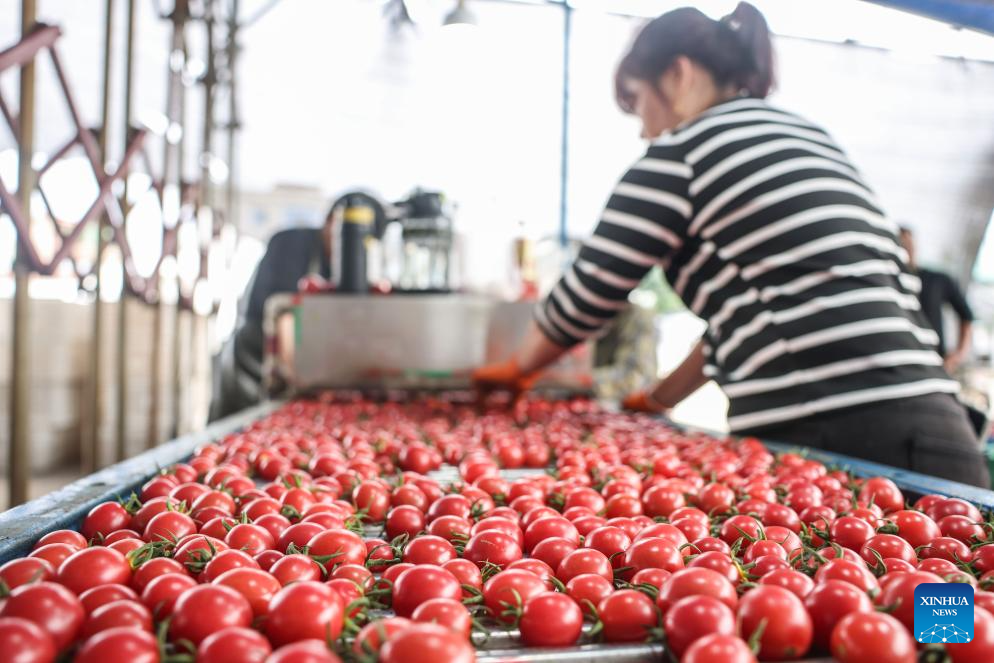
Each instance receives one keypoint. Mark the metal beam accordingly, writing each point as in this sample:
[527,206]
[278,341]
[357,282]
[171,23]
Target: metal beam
[121,432]
[19,466]
[34,38]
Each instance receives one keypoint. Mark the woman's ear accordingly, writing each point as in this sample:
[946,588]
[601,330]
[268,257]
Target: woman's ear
[678,79]
[677,85]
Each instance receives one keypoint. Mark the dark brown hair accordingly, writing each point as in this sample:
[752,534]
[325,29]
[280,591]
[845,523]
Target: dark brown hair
[736,50]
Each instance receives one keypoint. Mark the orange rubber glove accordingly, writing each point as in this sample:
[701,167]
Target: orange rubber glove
[640,401]
[505,375]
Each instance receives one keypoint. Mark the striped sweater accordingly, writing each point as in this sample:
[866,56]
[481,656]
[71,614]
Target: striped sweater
[767,232]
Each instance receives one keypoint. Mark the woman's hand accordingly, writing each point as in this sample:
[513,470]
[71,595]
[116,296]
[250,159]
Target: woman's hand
[642,401]
[506,375]
[519,373]
[687,378]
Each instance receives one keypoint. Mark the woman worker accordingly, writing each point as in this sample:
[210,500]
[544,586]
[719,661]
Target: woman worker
[767,232]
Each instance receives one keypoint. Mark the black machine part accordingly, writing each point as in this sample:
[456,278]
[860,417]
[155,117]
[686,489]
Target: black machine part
[358,223]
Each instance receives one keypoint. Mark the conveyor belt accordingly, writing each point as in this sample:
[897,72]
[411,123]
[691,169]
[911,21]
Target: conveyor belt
[65,508]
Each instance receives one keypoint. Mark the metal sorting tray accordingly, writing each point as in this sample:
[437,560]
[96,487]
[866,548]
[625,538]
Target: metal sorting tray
[21,526]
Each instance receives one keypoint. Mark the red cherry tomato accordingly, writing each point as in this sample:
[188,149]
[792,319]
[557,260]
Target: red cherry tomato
[311,650]
[507,592]
[255,585]
[788,629]
[429,549]
[696,582]
[234,645]
[124,613]
[719,649]
[92,567]
[23,641]
[339,546]
[494,547]
[427,643]
[49,605]
[161,594]
[881,492]
[550,620]
[302,611]
[25,570]
[627,615]
[154,568]
[794,581]
[206,609]
[405,520]
[67,536]
[584,560]
[295,568]
[872,637]
[374,635]
[588,591]
[104,519]
[915,528]
[120,645]
[694,617]
[420,584]
[104,594]
[653,553]
[225,561]
[829,602]
[449,613]
[253,539]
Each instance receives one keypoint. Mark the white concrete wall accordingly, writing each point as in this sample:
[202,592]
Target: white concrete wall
[61,334]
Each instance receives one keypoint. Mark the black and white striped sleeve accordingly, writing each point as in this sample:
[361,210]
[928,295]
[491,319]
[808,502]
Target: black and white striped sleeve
[643,224]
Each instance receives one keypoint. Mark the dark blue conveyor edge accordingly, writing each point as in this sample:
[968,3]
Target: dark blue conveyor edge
[906,480]
[65,508]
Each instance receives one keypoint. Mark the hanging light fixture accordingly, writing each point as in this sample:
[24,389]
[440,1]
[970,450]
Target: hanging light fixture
[398,14]
[460,15]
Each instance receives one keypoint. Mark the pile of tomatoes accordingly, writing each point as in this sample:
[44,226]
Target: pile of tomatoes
[327,531]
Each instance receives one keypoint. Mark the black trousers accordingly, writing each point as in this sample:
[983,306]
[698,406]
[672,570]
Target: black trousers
[928,434]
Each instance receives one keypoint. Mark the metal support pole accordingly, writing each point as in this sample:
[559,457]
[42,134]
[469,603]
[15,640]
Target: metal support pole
[121,432]
[90,452]
[210,80]
[19,466]
[170,168]
[155,392]
[233,215]
[564,145]
[198,327]
[177,369]
[178,383]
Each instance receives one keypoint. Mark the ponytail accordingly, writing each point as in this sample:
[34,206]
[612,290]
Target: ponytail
[753,34]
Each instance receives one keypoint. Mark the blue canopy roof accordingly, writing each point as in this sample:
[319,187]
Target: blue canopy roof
[976,14]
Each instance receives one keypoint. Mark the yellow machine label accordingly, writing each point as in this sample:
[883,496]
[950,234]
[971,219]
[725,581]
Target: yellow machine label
[360,215]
